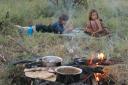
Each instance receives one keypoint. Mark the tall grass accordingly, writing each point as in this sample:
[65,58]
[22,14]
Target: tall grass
[113,12]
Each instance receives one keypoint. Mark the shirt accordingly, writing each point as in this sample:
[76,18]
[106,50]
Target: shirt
[92,26]
[58,28]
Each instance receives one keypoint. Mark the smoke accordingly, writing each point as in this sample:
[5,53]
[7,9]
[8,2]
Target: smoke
[114,6]
[63,7]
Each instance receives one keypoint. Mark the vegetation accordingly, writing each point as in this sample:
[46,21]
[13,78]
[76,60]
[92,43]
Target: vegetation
[14,47]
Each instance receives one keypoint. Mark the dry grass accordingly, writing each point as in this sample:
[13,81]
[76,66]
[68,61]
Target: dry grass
[114,14]
[120,73]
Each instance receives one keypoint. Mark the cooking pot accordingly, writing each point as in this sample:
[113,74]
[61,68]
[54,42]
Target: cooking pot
[68,74]
[51,61]
[80,61]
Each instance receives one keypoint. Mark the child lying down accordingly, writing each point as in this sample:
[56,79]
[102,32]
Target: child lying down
[57,27]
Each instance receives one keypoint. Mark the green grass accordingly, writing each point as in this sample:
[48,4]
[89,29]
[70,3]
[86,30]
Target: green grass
[114,14]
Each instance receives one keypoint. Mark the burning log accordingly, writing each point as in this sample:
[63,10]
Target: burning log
[98,60]
[89,70]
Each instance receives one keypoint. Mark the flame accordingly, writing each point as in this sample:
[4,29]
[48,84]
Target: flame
[97,76]
[97,79]
[101,56]
[91,61]
[97,64]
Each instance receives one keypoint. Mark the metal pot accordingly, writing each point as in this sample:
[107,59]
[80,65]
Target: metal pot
[80,61]
[68,74]
[51,61]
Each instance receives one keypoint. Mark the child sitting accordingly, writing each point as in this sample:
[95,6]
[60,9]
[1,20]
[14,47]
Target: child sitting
[95,25]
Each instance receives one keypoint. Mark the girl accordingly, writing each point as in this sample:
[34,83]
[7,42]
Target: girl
[95,26]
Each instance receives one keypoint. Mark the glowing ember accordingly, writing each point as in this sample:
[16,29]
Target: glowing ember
[99,76]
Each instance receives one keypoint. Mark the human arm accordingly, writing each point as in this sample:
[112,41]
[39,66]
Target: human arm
[68,27]
[88,27]
[98,22]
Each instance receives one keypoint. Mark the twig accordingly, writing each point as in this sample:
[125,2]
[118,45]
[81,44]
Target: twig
[88,77]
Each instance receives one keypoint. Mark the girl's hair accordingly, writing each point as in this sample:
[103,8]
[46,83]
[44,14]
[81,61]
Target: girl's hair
[90,14]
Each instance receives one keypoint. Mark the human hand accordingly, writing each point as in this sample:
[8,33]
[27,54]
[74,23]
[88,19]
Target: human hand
[94,33]
[97,20]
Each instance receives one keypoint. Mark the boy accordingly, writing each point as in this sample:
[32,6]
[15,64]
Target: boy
[57,27]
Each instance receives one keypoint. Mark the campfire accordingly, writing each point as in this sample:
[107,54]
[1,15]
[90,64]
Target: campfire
[95,70]
[99,59]
[100,76]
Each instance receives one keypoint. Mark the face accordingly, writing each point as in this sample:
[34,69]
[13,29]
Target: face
[63,22]
[94,16]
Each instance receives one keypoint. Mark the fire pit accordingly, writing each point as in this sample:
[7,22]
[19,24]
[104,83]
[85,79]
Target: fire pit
[96,70]
[82,71]
[99,69]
